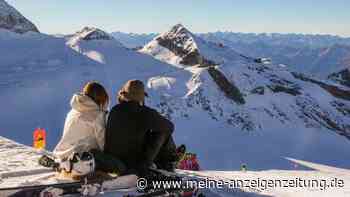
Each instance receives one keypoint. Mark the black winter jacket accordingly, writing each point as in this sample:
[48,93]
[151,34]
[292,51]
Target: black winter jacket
[128,129]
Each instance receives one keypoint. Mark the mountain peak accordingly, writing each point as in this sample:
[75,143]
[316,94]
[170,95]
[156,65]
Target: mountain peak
[12,20]
[179,31]
[92,33]
[180,42]
[179,28]
[181,47]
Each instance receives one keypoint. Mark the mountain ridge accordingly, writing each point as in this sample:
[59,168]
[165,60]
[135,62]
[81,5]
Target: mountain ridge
[279,80]
[14,21]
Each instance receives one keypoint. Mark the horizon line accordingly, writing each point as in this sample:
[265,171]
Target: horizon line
[207,32]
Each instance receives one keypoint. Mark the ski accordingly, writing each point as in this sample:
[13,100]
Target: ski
[88,187]
[125,185]
[165,192]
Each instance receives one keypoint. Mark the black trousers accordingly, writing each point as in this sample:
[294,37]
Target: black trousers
[163,151]
[159,149]
[108,163]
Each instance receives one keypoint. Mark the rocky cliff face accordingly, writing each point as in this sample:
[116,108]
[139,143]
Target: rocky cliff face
[12,20]
[89,33]
[342,77]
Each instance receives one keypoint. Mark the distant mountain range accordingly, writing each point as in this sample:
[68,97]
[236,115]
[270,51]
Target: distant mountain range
[319,55]
[274,39]
[133,40]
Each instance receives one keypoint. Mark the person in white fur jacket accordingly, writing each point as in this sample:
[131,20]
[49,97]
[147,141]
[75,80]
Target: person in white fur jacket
[84,129]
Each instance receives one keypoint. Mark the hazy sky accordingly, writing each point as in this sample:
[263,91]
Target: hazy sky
[297,16]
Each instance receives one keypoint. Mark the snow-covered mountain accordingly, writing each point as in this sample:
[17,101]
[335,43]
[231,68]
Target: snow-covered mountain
[253,97]
[244,81]
[277,39]
[91,33]
[182,48]
[330,60]
[40,74]
[14,21]
[319,55]
[291,40]
[250,108]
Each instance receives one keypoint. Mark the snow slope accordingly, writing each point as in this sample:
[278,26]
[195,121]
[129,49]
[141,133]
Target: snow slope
[15,172]
[270,109]
[14,21]
[40,74]
[203,112]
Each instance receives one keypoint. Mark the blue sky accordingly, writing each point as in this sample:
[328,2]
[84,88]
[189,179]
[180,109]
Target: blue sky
[295,16]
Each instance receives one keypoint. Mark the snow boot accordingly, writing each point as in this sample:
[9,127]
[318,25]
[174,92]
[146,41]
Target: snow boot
[48,162]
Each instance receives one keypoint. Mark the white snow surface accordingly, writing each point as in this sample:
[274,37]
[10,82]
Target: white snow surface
[40,73]
[268,127]
[29,173]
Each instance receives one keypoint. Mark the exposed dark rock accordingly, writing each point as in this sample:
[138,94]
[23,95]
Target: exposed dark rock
[181,42]
[189,57]
[12,20]
[341,107]
[230,90]
[333,90]
[199,99]
[258,90]
[91,33]
[314,112]
[281,115]
[342,77]
[243,120]
[288,90]
[260,68]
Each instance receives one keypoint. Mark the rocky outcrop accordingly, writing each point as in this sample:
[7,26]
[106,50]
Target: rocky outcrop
[288,90]
[181,42]
[314,112]
[333,90]
[92,33]
[12,20]
[342,77]
[231,91]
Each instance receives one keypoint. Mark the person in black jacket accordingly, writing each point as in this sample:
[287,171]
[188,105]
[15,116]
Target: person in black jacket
[138,135]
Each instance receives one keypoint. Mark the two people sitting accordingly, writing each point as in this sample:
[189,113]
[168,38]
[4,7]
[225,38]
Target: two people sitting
[129,139]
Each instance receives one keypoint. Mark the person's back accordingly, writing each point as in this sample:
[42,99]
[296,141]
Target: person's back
[84,128]
[84,134]
[136,133]
[125,136]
